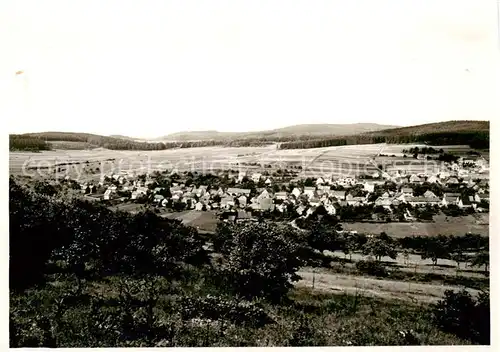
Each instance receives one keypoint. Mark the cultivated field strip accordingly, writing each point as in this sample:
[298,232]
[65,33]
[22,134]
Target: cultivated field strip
[339,161]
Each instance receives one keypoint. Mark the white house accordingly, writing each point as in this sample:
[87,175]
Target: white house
[452,180]
[330,209]
[300,209]
[296,192]
[242,201]
[281,195]
[369,187]
[268,181]
[158,198]
[256,177]
[107,194]
[429,194]
[407,191]
[198,206]
[433,179]
[340,195]
[319,181]
[227,202]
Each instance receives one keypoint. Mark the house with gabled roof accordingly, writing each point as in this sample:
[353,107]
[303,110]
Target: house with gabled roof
[241,175]
[244,216]
[242,201]
[452,181]
[256,177]
[264,194]
[423,201]
[227,202]
[238,191]
[369,187]
[355,201]
[450,198]
[319,181]
[281,207]
[296,192]
[309,191]
[324,188]
[384,202]
[464,202]
[429,194]
[415,179]
[407,191]
[331,208]
[268,181]
[158,198]
[263,204]
[433,179]
[281,195]
[300,209]
[107,194]
[339,195]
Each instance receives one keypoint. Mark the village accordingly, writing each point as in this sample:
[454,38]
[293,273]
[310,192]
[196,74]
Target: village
[461,186]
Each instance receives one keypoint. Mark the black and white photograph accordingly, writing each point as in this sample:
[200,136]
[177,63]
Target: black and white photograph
[248,173]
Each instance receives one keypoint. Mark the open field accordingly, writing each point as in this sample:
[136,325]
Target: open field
[339,161]
[370,287]
[201,220]
[451,226]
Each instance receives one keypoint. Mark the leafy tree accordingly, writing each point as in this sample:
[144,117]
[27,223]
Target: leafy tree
[258,259]
[481,259]
[435,248]
[378,247]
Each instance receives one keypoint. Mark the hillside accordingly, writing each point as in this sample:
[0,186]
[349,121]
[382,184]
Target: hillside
[439,127]
[289,131]
[119,136]
[472,133]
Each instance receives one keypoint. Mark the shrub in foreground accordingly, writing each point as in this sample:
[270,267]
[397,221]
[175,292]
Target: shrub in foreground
[459,313]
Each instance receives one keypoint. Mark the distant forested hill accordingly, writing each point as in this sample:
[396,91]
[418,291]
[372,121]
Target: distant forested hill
[472,133]
[280,134]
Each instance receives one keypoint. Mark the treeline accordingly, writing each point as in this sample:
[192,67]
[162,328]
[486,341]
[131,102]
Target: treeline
[424,150]
[23,143]
[38,140]
[479,140]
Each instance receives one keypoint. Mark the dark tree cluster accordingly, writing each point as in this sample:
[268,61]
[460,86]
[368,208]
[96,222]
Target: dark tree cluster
[20,142]
[477,140]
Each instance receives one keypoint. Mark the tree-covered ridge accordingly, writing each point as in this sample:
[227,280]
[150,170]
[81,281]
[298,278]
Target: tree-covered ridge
[472,133]
[438,127]
[21,142]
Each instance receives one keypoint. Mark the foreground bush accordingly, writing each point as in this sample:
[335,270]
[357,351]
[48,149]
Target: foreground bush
[459,313]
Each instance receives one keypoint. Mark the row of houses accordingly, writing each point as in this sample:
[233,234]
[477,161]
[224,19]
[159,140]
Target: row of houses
[204,198]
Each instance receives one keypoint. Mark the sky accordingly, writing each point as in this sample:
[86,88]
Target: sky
[150,68]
